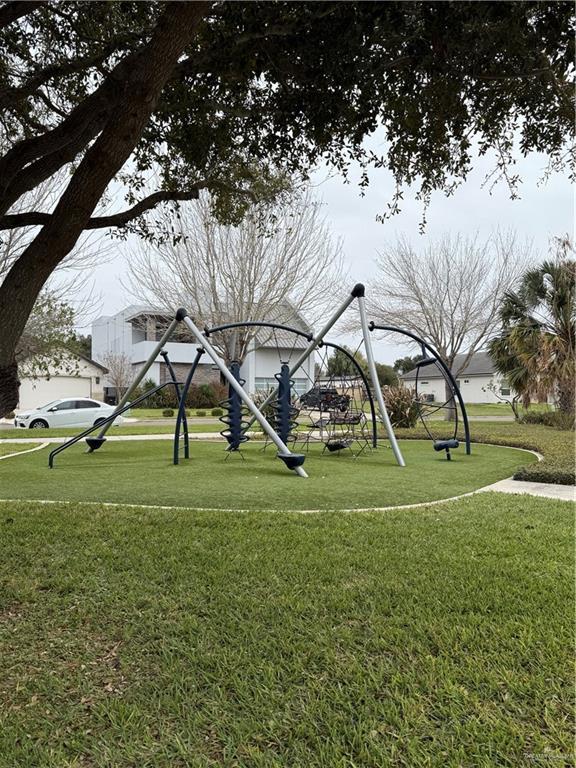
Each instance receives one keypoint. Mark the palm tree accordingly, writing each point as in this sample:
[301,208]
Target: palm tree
[535,348]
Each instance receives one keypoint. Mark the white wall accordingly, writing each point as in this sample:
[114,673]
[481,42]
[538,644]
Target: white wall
[474,389]
[113,335]
[265,364]
[86,381]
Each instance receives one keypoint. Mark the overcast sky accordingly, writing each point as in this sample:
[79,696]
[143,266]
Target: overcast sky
[543,210]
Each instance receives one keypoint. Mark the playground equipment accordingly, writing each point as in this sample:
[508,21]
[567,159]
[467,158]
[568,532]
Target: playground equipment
[426,410]
[342,415]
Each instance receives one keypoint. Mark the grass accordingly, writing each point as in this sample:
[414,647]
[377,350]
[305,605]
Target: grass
[7,448]
[142,472]
[503,409]
[124,429]
[438,637]
[156,413]
[557,446]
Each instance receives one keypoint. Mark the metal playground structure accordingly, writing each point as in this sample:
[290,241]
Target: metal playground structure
[341,420]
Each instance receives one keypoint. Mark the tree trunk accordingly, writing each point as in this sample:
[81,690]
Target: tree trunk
[567,398]
[450,410]
[150,69]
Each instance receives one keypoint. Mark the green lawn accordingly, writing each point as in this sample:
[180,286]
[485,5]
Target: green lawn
[157,413]
[438,637]
[142,472]
[503,409]
[7,448]
[556,445]
[125,429]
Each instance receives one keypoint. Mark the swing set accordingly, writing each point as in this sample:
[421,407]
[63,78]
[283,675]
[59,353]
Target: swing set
[339,412]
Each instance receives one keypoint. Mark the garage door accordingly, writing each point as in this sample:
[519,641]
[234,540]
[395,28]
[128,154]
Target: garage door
[35,392]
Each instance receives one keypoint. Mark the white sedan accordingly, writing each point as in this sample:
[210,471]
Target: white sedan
[66,412]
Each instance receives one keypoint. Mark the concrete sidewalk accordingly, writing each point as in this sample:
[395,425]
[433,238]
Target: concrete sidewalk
[547,490]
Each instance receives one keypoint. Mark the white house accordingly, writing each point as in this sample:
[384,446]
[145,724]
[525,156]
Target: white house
[78,376]
[475,381]
[135,331]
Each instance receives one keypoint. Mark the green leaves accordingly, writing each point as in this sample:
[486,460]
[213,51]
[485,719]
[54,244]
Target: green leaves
[536,347]
[49,339]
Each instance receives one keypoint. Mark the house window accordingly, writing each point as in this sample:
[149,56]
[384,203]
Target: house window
[270,383]
[505,391]
[424,382]
[97,379]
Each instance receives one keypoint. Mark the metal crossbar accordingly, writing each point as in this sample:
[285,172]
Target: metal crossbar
[105,422]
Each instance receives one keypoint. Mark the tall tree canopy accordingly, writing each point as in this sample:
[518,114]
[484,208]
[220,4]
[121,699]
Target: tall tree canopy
[199,94]
[536,346]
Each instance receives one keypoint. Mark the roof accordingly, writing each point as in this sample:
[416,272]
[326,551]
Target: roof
[277,337]
[92,362]
[480,364]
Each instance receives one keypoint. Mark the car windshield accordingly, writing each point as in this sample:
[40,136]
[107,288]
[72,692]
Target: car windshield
[48,405]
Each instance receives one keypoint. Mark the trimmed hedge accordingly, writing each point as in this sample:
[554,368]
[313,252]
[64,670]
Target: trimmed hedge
[557,447]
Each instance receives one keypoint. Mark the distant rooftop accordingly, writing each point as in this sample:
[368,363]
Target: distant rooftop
[480,364]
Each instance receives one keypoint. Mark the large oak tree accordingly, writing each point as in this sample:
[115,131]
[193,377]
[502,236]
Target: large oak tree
[212,94]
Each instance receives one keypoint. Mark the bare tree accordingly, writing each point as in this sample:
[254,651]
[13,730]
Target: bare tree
[450,292]
[278,264]
[120,372]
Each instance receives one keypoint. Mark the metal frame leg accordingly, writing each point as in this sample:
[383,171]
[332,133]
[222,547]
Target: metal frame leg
[147,365]
[257,414]
[376,384]
[181,416]
[316,341]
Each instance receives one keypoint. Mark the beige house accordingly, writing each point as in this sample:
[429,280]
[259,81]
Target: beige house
[77,377]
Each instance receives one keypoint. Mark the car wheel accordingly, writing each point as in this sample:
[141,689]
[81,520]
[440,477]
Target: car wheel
[98,422]
[39,424]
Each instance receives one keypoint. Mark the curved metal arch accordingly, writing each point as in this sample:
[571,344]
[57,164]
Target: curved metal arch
[448,373]
[309,337]
[258,324]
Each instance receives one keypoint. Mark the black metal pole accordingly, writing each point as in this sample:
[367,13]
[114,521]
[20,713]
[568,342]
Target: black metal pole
[105,422]
[393,329]
[181,417]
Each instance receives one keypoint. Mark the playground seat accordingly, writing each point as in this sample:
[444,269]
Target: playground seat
[292,460]
[445,445]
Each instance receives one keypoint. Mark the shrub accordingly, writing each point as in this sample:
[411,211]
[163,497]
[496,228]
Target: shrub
[401,405]
[216,412]
[556,419]
[200,413]
[206,395]
[167,412]
[11,415]
[259,398]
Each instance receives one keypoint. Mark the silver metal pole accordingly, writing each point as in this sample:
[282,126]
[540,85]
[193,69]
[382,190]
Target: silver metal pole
[376,384]
[358,288]
[282,447]
[165,336]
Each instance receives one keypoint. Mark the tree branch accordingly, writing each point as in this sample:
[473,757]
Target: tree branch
[39,219]
[9,96]
[10,12]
